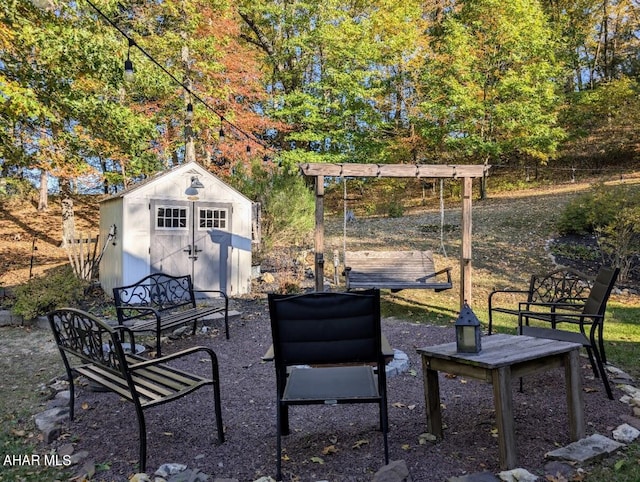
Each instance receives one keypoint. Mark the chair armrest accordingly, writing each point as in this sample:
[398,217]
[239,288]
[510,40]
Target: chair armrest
[180,354]
[124,330]
[555,318]
[506,290]
[553,306]
[224,295]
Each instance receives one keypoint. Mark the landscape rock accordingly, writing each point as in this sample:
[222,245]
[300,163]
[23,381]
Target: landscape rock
[50,423]
[477,477]
[588,449]
[625,433]
[517,475]
[394,471]
[166,470]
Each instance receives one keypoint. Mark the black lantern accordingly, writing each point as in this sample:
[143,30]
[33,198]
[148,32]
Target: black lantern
[468,331]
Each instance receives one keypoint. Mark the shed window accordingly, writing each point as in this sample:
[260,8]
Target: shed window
[213,219]
[171,218]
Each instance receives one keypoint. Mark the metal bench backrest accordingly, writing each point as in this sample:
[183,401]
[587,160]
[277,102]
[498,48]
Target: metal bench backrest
[159,291]
[84,336]
[559,285]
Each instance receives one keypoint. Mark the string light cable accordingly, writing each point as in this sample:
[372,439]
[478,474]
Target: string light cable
[194,95]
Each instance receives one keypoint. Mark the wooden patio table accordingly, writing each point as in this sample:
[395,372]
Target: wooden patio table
[502,358]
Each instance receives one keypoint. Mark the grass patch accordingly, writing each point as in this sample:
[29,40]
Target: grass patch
[623,467]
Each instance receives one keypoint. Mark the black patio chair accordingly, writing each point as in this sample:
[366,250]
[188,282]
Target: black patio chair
[337,335]
[590,318]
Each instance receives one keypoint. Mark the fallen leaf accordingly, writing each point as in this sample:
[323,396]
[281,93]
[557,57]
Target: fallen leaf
[450,375]
[85,406]
[329,449]
[406,447]
[411,407]
[317,460]
[398,405]
[168,434]
[359,444]
[18,433]
[413,373]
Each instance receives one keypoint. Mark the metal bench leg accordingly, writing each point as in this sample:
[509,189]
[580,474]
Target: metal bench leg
[142,435]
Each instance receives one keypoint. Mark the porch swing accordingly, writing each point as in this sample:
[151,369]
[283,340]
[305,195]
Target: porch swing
[394,270]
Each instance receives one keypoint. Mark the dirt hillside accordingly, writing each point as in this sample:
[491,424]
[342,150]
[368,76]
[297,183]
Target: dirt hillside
[30,241]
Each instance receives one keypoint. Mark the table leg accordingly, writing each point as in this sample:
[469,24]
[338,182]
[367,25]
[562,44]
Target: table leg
[575,398]
[432,398]
[503,401]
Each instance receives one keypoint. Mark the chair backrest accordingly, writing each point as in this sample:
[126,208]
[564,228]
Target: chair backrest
[596,303]
[324,328]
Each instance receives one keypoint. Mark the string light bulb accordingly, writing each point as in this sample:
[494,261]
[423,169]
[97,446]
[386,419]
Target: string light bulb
[128,64]
[189,111]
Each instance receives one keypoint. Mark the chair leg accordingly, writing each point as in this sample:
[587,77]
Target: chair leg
[385,430]
[218,409]
[283,420]
[603,355]
[603,373]
[592,361]
[279,423]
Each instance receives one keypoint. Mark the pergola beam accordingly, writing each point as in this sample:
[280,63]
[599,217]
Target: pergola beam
[464,172]
[394,170]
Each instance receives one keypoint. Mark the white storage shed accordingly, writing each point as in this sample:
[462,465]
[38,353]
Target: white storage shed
[182,221]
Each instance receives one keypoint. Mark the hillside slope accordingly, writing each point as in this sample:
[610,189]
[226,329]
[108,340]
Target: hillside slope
[30,241]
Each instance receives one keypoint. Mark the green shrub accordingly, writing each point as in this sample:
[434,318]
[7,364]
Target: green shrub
[59,287]
[597,208]
[395,209]
[288,204]
[612,214]
[620,239]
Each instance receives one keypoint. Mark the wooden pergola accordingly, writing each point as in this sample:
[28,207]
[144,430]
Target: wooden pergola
[464,172]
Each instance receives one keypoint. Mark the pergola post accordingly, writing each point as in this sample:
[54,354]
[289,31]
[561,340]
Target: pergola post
[319,234]
[465,249]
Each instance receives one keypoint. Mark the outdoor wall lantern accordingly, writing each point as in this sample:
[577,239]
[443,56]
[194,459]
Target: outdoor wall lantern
[192,190]
[468,331]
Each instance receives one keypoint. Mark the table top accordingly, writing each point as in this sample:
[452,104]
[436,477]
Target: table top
[501,350]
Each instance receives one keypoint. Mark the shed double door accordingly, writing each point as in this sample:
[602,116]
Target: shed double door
[187,237]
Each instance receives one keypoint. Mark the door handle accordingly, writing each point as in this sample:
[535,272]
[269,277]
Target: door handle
[187,250]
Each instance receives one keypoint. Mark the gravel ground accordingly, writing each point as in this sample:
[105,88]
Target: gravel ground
[333,443]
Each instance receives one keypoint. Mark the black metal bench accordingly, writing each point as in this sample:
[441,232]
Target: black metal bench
[564,285]
[159,302]
[97,354]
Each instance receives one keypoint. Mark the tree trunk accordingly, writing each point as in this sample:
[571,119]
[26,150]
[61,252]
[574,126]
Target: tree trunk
[43,201]
[68,221]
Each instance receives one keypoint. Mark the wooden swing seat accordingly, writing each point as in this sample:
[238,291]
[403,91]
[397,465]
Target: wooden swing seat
[394,270]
